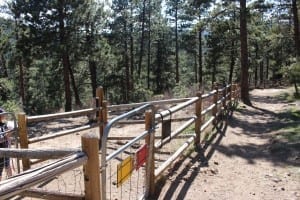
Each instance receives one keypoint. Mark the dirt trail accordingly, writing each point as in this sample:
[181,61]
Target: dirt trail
[243,161]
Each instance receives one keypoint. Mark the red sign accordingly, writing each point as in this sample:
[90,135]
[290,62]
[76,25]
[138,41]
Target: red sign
[141,156]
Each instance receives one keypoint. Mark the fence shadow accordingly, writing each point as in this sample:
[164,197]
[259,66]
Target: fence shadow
[273,127]
[199,159]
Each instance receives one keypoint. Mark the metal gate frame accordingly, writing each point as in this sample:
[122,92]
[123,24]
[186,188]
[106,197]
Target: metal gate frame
[148,132]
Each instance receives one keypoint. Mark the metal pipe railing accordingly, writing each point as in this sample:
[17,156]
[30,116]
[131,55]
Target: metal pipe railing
[175,133]
[176,108]
[173,157]
[21,182]
[128,144]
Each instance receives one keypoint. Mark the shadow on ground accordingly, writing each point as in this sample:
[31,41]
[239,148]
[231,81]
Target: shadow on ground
[199,159]
[265,124]
[276,128]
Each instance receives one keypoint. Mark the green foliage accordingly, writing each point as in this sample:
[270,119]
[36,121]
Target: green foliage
[189,130]
[295,113]
[180,90]
[109,48]
[294,72]
[6,89]
[7,96]
[288,96]
[291,132]
[141,94]
[12,106]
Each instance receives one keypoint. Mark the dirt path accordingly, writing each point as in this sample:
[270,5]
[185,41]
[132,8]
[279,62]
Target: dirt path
[245,160]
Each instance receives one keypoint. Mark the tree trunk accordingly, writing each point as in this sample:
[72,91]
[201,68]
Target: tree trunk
[200,58]
[126,63]
[176,45]
[244,55]
[68,98]
[21,72]
[149,46]
[232,52]
[195,67]
[142,39]
[232,61]
[296,90]
[92,62]
[256,67]
[3,64]
[255,76]
[267,70]
[93,76]
[214,72]
[75,90]
[296,27]
[21,80]
[158,68]
[65,57]
[261,73]
[131,49]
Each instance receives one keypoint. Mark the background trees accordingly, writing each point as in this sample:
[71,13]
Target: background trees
[53,54]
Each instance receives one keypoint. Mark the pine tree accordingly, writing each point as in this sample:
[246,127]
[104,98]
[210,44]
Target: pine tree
[50,28]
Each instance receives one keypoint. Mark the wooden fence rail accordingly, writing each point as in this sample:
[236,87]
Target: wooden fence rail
[24,121]
[221,102]
[207,108]
[36,153]
[88,157]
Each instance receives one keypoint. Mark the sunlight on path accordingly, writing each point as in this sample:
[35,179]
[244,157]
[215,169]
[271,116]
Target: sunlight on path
[242,165]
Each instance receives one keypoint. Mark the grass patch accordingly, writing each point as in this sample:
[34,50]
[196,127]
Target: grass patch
[291,132]
[295,113]
[190,129]
[288,95]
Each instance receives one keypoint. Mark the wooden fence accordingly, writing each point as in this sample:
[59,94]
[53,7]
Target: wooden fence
[24,121]
[88,157]
[207,109]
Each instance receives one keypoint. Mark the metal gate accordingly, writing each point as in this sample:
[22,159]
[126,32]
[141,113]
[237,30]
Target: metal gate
[125,172]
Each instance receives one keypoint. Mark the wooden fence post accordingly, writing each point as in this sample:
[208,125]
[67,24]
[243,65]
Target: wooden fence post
[104,113]
[99,99]
[100,94]
[224,96]
[234,93]
[90,145]
[238,88]
[198,121]
[230,96]
[150,178]
[22,126]
[216,96]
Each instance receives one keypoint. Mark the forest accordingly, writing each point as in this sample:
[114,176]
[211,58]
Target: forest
[54,54]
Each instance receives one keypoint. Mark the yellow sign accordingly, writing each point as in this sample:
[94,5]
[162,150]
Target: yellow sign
[124,170]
